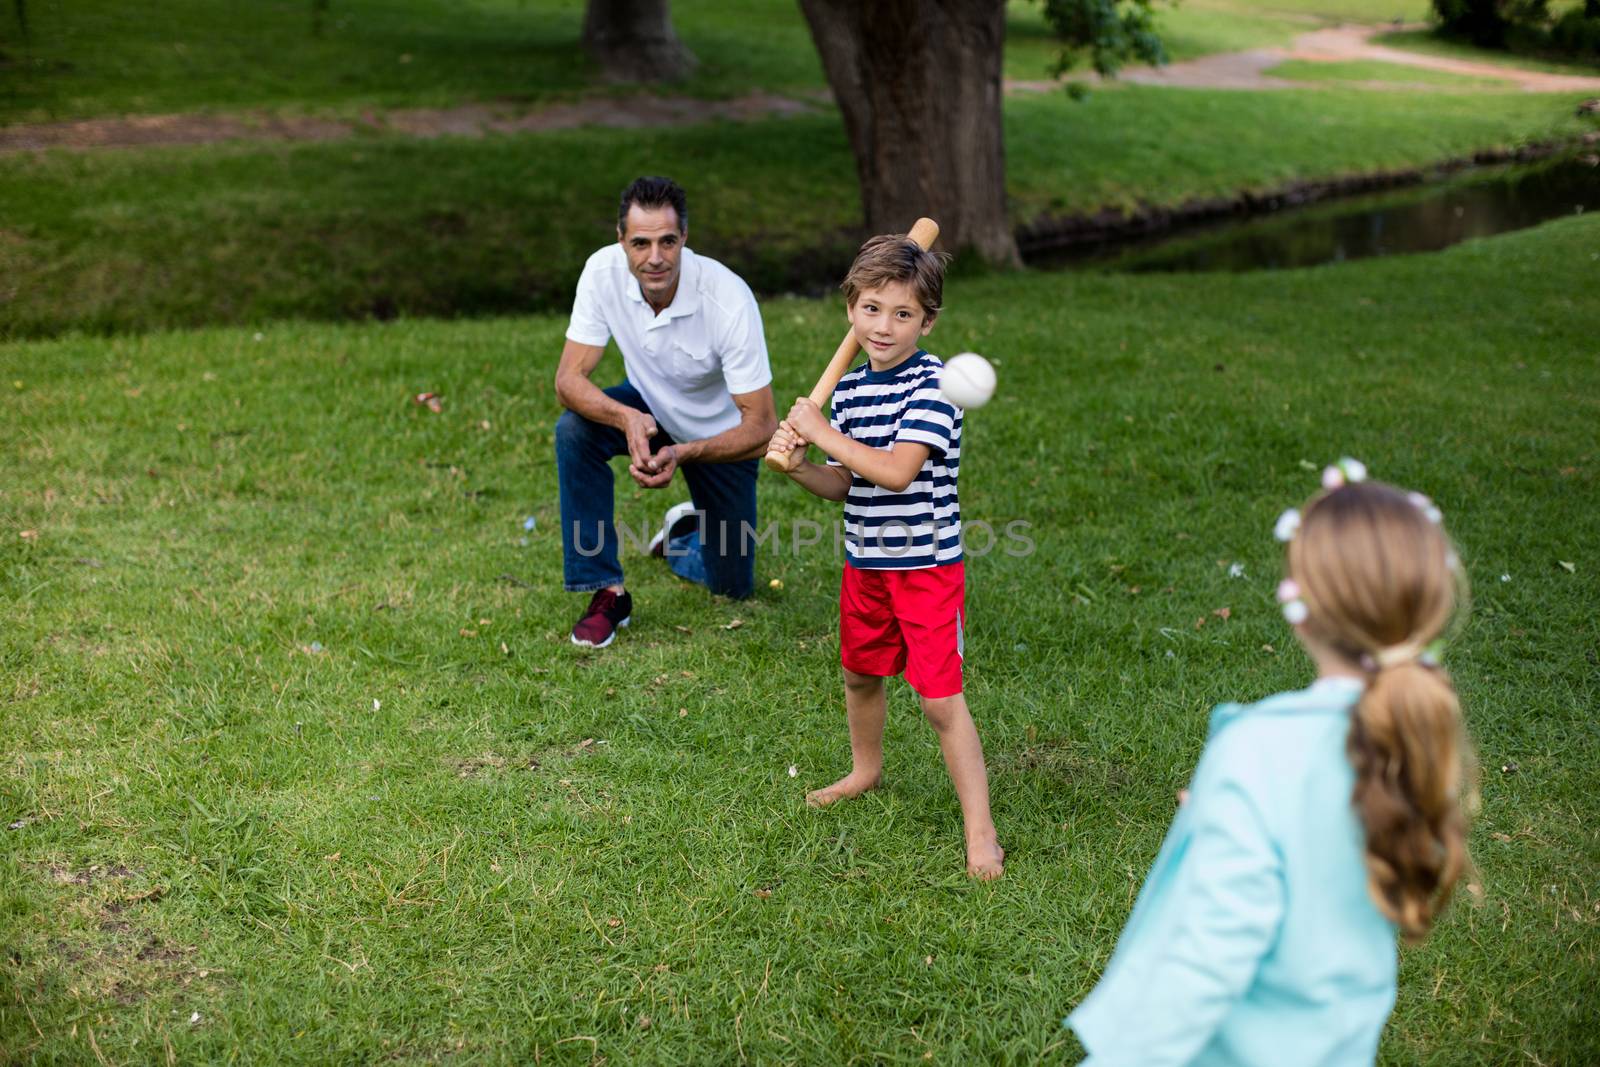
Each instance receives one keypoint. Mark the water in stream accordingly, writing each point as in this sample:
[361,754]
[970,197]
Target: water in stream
[1423,219]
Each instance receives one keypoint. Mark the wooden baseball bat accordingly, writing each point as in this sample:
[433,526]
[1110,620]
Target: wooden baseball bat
[924,233]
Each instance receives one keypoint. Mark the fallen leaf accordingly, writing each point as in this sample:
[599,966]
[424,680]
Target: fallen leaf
[682,712]
[468,632]
[613,923]
[1570,568]
[763,893]
[29,535]
[683,629]
[333,857]
[505,650]
[1223,613]
[734,625]
[1201,621]
[432,401]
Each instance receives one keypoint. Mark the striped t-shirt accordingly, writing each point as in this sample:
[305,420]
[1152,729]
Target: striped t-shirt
[920,527]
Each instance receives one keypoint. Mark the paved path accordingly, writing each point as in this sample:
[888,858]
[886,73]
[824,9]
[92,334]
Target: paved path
[1231,70]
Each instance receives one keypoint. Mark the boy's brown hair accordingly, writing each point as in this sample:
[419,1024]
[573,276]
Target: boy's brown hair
[895,257]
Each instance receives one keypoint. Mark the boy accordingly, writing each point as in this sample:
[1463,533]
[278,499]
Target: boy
[894,446]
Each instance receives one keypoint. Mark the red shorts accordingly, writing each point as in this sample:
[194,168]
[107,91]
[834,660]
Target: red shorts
[892,621]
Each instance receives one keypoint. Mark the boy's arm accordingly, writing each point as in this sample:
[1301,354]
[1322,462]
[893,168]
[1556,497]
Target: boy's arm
[894,468]
[828,482]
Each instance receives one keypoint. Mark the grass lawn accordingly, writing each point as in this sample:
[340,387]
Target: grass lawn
[1301,70]
[301,768]
[103,57]
[374,226]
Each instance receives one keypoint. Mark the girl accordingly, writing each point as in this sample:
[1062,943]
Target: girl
[1317,821]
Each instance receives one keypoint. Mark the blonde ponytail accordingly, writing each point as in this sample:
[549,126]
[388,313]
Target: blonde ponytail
[1378,578]
[1407,747]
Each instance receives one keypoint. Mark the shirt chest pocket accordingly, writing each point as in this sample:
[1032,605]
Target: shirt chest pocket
[692,364]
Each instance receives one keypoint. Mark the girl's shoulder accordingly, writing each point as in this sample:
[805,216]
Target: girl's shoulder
[1325,697]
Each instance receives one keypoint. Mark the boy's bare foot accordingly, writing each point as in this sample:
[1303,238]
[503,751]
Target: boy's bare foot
[986,860]
[851,785]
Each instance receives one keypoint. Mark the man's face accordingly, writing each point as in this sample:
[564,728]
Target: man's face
[654,240]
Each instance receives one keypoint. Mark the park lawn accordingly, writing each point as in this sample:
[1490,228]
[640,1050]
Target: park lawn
[1367,70]
[301,767]
[97,58]
[102,57]
[378,226]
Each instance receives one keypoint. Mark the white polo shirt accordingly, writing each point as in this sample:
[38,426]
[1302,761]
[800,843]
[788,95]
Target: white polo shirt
[688,361]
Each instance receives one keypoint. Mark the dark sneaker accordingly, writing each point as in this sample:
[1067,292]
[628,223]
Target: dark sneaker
[606,612]
[679,520]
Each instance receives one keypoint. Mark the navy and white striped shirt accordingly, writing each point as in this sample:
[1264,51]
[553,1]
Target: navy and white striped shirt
[920,527]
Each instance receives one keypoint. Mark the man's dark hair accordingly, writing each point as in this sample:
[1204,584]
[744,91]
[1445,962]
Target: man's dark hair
[651,193]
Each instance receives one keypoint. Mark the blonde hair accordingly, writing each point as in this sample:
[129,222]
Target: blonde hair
[895,257]
[1380,582]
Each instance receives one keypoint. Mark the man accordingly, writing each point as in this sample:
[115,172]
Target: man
[697,397]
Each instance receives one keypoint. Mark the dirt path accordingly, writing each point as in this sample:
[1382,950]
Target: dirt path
[1231,70]
[470,120]
[1247,70]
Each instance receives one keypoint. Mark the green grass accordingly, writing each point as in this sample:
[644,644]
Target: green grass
[296,741]
[1301,70]
[103,57]
[384,225]
[1427,42]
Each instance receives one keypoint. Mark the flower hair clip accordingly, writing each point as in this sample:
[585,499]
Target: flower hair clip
[1345,472]
[1427,507]
[1294,606]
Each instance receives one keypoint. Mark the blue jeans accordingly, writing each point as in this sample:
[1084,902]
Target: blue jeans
[719,555]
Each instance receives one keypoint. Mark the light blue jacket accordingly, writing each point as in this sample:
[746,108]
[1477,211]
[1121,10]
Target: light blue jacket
[1254,940]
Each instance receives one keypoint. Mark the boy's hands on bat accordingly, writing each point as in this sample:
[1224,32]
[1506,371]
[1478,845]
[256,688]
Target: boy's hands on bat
[806,419]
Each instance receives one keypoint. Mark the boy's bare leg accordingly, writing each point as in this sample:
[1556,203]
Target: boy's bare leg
[865,707]
[963,758]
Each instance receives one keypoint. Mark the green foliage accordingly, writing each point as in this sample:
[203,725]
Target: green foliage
[1522,25]
[301,767]
[1577,32]
[1110,32]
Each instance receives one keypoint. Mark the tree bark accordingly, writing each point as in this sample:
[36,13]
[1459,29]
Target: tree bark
[918,83]
[633,41]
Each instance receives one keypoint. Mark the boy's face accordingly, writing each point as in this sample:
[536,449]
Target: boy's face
[888,322]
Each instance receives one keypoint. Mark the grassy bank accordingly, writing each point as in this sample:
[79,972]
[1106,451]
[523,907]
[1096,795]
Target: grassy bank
[388,225]
[301,767]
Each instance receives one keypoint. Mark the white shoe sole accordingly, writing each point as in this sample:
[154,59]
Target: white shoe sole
[668,521]
[607,641]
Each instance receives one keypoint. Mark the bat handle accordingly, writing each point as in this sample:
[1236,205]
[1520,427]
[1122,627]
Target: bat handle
[784,462]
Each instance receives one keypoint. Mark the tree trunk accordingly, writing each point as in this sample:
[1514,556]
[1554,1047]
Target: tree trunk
[918,84]
[633,41]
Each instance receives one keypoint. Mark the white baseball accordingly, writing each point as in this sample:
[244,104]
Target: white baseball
[967,380]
